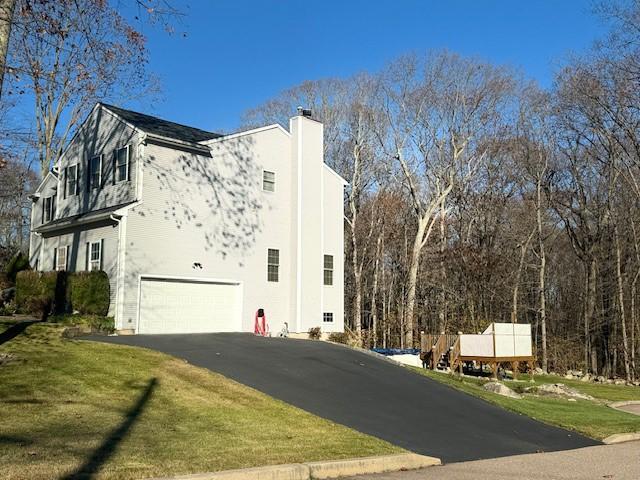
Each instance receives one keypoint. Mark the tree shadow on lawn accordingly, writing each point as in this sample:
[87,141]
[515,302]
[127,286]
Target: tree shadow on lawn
[102,454]
[15,330]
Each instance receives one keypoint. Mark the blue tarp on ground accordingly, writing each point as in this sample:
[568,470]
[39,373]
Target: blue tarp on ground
[397,351]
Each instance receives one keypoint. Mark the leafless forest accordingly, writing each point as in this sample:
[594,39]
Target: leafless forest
[476,196]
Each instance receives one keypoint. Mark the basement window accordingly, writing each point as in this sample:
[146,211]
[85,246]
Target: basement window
[273,265]
[327,317]
[268,181]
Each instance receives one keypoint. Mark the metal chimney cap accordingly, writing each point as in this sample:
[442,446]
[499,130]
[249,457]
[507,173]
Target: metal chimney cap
[305,112]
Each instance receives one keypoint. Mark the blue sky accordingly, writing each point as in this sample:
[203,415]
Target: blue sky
[239,53]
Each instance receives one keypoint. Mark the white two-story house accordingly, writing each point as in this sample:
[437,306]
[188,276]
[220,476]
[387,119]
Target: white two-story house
[196,230]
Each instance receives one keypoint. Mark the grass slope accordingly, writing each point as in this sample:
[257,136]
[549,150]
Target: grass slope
[123,412]
[591,418]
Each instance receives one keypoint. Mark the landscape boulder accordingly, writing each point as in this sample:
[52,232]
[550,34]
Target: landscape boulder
[562,390]
[501,389]
[7,295]
[586,378]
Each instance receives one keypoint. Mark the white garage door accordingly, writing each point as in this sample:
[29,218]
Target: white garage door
[177,306]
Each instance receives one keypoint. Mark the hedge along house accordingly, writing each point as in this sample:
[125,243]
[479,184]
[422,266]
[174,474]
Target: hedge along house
[196,230]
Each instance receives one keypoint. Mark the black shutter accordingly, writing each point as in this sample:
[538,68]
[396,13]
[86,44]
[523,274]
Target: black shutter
[129,160]
[101,253]
[43,202]
[88,175]
[65,180]
[114,167]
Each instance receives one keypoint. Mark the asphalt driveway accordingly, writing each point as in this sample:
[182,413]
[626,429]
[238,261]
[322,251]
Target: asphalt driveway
[366,393]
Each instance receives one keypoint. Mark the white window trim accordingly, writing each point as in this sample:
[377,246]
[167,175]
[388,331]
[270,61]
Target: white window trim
[274,181]
[48,212]
[277,265]
[325,269]
[99,157]
[99,260]
[65,249]
[126,164]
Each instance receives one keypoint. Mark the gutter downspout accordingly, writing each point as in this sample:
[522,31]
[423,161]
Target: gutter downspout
[116,314]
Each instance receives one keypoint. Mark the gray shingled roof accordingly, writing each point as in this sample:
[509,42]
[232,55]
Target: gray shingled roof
[164,128]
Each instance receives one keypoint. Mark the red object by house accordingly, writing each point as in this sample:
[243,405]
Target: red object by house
[261,326]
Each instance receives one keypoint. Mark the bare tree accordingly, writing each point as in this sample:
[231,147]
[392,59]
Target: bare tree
[438,112]
[69,54]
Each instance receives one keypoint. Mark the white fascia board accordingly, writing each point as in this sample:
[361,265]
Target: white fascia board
[246,132]
[44,180]
[331,170]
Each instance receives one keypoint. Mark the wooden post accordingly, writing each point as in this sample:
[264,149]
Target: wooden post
[514,367]
[494,366]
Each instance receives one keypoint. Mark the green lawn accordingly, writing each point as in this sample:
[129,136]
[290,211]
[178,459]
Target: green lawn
[124,412]
[591,418]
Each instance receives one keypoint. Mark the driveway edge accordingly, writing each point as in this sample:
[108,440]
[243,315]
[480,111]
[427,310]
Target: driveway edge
[368,465]
[621,438]
[320,470]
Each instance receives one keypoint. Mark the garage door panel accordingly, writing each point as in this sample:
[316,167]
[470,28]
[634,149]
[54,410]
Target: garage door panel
[174,306]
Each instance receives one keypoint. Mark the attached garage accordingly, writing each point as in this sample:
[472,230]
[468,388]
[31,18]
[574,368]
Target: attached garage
[170,305]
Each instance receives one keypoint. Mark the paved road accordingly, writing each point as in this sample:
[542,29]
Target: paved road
[367,393]
[615,462]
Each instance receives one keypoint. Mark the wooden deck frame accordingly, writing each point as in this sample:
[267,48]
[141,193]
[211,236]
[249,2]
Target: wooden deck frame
[495,363]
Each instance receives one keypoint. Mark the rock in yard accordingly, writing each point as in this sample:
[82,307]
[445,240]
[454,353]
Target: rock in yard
[501,389]
[562,390]
[539,371]
[6,358]
[586,378]
[619,382]
[7,294]
[568,376]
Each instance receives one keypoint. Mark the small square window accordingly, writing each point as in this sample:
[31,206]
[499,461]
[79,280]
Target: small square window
[273,265]
[95,171]
[327,317]
[328,270]
[268,181]
[95,256]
